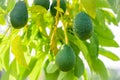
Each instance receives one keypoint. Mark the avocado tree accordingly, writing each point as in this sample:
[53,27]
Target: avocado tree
[45,38]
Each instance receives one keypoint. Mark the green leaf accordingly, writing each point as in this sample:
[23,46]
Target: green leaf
[30,68]
[6,58]
[102,3]
[100,69]
[108,54]
[59,9]
[2,16]
[100,18]
[90,6]
[61,75]
[79,67]
[52,76]
[18,51]
[81,45]
[110,16]
[107,42]
[10,4]
[114,5]
[38,67]
[69,75]
[51,68]
[74,47]
[103,31]
[37,10]
[93,46]
[2,2]
[13,69]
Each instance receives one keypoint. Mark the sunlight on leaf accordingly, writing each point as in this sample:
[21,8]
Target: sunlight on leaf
[10,4]
[51,68]
[18,51]
[90,6]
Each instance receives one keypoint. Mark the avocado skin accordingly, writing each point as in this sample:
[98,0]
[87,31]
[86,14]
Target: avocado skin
[65,58]
[44,3]
[83,27]
[19,15]
[53,11]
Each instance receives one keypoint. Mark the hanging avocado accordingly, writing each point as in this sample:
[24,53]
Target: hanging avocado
[83,27]
[65,58]
[44,3]
[19,15]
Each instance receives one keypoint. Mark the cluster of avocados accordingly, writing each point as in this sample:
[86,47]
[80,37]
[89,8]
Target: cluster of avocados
[82,27]
[19,14]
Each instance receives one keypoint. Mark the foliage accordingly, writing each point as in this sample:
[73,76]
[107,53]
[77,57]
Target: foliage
[34,47]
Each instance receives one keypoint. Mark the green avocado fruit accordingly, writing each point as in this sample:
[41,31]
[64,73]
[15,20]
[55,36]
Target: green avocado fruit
[44,3]
[19,15]
[53,11]
[83,27]
[65,58]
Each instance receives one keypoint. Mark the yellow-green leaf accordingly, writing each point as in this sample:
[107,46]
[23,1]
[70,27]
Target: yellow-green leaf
[108,54]
[90,6]
[17,50]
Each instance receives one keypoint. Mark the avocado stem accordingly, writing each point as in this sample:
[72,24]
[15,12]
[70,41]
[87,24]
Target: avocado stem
[65,32]
[52,40]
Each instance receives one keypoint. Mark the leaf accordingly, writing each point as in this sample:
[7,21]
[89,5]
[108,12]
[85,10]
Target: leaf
[59,9]
[2,16]
[10,4]
[93,46]
[52,76]
[102,3]
[104,32]
[114,5]
[108,54]
[6,58]
[61,75]
[36,10]
[107,42]
[90,6]
[100,18]
[51,68]
[2,2]
[74,47]
[110,16]
[13,69]
[2,19]
[38,67]
[17,51]
[69,75]
[30,68]
[100,69]
[79,67]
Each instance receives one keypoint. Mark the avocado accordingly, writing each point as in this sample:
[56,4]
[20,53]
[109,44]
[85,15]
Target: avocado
[53,11]
[44,3]
[65,58]
[82,26]
[19,15]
